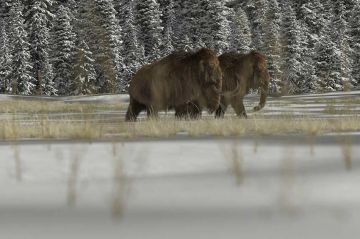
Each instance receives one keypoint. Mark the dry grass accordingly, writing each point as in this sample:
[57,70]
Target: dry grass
[45,107]
[59,120]
[45,129]
[90,129]
[242,127]
[333,109]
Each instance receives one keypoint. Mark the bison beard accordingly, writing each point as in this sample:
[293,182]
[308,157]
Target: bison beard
[175,80]
[241,72]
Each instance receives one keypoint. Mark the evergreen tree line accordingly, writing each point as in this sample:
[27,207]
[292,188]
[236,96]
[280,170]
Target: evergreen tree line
[74,47]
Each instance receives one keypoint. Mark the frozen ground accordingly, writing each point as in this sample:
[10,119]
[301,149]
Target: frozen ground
[327,105]
[277,187]
[268,187]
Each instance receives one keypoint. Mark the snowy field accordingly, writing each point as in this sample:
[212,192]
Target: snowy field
[211,187]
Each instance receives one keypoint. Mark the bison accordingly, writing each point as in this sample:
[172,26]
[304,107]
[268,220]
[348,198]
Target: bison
[245,72]
[175,80]
[241,72]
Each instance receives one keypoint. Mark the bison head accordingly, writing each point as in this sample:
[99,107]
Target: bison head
[210,77]
[261,78]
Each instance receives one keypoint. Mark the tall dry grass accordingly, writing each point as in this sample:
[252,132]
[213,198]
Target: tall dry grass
[46,129]
[240,127]
[90,128]
[45,107]
[58,120]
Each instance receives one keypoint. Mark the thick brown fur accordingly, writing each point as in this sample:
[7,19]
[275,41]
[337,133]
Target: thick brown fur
[250,72]
[175,80]
[241,72]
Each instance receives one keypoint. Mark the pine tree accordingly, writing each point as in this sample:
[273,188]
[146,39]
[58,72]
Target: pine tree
[64,50]
[192,15]
[84,15]
[5,59]
[84,72]
[168,20]
[272,44]
[217,26]
[99,27]
[5,8]
[292,68]
[304,51]
[342,40]
[328,75]
[88,29]
[257,12]
[22,81]
[133,50]
[308,77]
[179,33]
[354,34]
[38,19]
[240,39]
[150,27]
[109,47]
[312,15]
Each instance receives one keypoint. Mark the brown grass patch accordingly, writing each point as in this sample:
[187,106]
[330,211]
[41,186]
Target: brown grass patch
[91,121]
[45,107]
[91,129]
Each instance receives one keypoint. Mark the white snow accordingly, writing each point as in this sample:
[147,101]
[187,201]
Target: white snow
[180,189]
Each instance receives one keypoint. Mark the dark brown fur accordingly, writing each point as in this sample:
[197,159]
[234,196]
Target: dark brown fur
[250,72]
[241,72]
[176,80]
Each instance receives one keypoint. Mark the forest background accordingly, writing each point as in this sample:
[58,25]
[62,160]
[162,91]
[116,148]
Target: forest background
[69,47]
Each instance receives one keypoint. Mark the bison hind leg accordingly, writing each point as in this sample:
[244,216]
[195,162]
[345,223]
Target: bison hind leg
[238,105]
[134,110]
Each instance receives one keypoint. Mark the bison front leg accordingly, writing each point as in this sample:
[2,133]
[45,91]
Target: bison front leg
[224,103]
[238,105]
[134,110]
[264,77]
[220,112]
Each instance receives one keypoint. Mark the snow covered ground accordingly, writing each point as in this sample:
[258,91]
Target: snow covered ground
[69,99]
[287,187]
[328,105]
[254,187]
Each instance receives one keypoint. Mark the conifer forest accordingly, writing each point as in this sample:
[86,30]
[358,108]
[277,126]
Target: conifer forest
[80,47]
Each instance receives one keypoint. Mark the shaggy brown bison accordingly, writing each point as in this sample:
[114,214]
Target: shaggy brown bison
[245,72]
[175,80]
[241,72]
